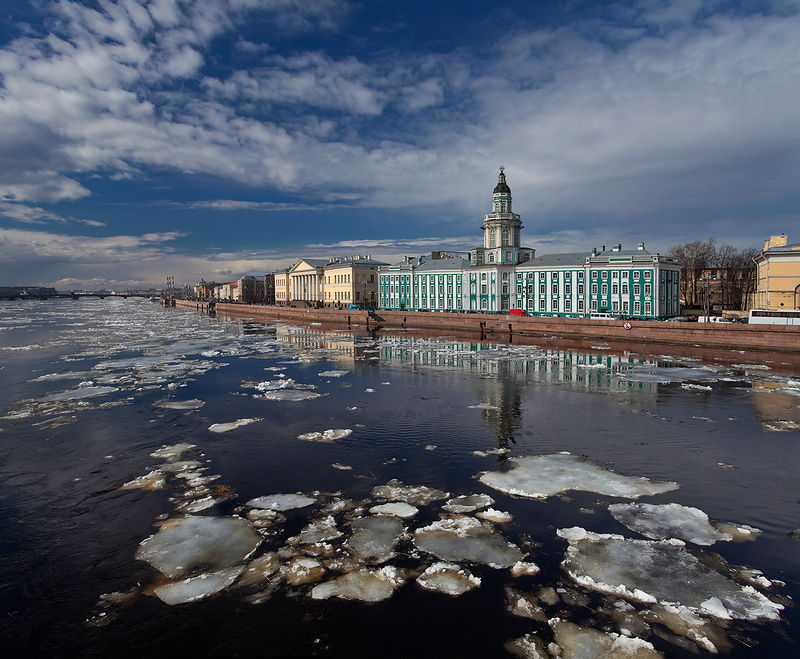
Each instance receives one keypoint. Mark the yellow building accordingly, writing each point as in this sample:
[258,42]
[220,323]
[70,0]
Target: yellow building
[306,282]
[778,284]
[282,297]
[351,280]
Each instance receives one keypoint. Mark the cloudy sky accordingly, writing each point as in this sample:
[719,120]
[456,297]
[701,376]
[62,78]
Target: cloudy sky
[215,138]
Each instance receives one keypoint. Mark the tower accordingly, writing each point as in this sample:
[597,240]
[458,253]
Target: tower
[501,231]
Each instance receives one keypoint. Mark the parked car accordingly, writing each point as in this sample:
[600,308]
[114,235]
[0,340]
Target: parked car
[712,319]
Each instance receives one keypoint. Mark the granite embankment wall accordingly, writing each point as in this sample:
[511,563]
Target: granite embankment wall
[731,336]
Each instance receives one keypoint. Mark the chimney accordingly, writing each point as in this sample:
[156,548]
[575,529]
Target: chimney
[594,251]
[604,249]
[640,247]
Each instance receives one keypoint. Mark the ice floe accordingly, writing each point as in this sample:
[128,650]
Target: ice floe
[332,374]
[172,452]
[184,543]
[193,404]
[524,569]
[154,480]
[416,495]
[448,578]
[468,503]
[319,530]
[466,539]
[302,570]
[483,406]
[374,538]
[232,425]
[292,395]
[365,585]
[530,646]
[662,572]
[584,642]
[328,436]
[672,520]
[495,516]
[398,509]
[199,587]
[79,393]
[281,501]
[542,476]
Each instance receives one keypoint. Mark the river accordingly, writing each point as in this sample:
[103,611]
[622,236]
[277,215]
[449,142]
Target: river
[180,485]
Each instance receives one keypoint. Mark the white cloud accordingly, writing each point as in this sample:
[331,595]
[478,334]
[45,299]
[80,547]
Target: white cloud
[36,215]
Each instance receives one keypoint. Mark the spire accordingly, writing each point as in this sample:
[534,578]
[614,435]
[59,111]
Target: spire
[502,186]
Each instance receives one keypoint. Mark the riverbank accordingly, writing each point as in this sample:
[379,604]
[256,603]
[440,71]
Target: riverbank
[772,338]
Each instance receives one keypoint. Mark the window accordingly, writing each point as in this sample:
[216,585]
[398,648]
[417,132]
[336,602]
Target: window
[505,275]
[541,275]
[483,276]
[542,289]
[555,305]
[649,273]
[647,289]
[491,257]
[594,274]
[637,307]
[567,275]
[542,305]
[519,289]
[580,289]
[508,256]
[567,289]
[580,305]
[555,290]
[555,276]
[625,307]
[637,290]
[647,309]
[530,275]
[615,306]
[624,288]
[614,289]
[614,274]
[483,289]
[604,290]
[624,274]
[594,305]
[594,289]
[580,276]
[567,305]
[505,289]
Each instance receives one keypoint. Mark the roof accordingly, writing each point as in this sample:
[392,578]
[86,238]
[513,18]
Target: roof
[455,263]
[502,186]
[349,262]
[626,252]
[784,248]
[551,260]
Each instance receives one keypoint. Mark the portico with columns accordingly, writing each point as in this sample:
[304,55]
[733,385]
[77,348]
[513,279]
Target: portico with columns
[306,281]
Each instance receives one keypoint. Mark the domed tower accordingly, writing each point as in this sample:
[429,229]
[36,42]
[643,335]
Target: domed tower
[501,231]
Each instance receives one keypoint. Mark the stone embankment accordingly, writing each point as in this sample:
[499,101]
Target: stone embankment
[774,338]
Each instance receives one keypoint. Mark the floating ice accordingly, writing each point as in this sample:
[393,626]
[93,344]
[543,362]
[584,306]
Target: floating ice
[496,516]
[521,569]
[448,578]
[199,587]
[364,585]
[67,375]
[468,504]
[193,404]
[669,520]
[658,571]
[292,395]
[529,647]
[341,467]
[585,642]
[281,501]
[524,605]
[320,530]
[155,480]
[430,447]
[369,391]
[542,476]
[399,509]
[56,422]
[667,374]
[330,435]
[231,425]
[80,392]
[753,367]
[172,452]
[302,570]
[483,406]
[260,569]
[416,495]
[374,538]
[466,539]
[332,374]
[186,542]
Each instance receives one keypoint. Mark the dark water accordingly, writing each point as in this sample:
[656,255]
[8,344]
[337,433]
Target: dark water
[69,534]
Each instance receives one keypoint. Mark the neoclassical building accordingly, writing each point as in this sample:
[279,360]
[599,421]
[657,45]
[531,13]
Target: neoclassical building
[502,275]
[778,274]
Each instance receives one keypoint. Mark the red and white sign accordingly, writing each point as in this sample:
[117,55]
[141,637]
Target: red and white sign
[627,325]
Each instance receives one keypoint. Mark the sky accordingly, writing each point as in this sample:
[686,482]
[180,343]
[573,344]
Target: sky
[141,139]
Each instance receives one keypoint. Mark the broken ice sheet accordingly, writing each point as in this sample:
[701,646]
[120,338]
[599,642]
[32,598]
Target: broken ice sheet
[291,395]
[483,406]
[193,404]
[172,452]
[154,480]
[466,539]
[398,509]
[374,538]
[671,520]
[319,530]
[448,578]
[281,501]
[231,425]
[468,504]
[365,585]
[542,476]
[332,374]
[658,571]
[576,641]
[326,436]
[416,495]
[79,393]
[186,542]
[199,587]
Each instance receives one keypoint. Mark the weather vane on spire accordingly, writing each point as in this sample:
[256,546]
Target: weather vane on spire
[502,169]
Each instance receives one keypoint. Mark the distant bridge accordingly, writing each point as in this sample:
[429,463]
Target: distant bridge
[69,296]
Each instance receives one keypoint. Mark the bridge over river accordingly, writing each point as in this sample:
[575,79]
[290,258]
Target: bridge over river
[68,295]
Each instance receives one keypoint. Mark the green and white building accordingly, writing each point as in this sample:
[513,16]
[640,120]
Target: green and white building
[502,275]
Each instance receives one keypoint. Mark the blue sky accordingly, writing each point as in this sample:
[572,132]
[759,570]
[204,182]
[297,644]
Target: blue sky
[145,138]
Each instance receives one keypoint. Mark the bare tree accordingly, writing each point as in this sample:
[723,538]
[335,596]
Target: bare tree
[695,257]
